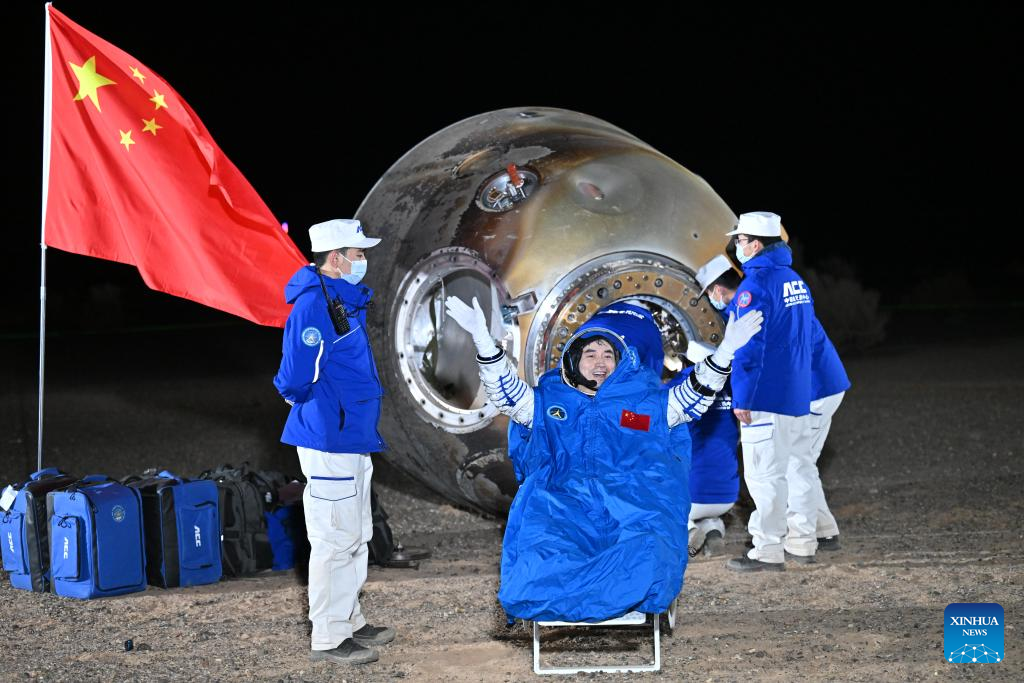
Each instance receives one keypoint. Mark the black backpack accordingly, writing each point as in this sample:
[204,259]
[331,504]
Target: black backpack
[382,545]
[245,546]
[282,510]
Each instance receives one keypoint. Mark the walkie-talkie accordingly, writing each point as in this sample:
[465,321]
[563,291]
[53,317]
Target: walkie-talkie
[335,308]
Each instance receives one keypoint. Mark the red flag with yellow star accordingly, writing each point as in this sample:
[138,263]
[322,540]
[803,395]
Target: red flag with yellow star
[134,176]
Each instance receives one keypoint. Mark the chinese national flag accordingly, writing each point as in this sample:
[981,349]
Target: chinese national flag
[135,177]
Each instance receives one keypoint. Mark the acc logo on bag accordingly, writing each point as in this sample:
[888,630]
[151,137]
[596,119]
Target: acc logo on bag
[117,512]
[311,336]
[743,300]
[557,412]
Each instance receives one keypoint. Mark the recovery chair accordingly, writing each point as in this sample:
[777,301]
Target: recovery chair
[630,619]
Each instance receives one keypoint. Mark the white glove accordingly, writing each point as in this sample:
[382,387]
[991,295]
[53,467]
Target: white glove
[738,331]
[472,320]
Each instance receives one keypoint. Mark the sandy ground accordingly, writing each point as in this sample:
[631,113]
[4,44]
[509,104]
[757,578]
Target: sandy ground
[923,470]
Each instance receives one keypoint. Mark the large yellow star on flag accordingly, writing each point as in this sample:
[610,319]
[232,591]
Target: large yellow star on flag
[151,126]
[89,81]
[158,100]
[138,74]
[126,140]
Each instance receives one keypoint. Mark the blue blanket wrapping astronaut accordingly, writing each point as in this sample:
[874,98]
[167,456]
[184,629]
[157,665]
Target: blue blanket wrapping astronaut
[599,525]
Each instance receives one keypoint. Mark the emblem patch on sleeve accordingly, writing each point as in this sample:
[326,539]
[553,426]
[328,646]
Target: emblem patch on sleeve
[744,299]
[311,336]
[637,421]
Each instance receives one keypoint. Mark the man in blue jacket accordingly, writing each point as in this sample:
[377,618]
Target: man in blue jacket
[329,378]
[775,379]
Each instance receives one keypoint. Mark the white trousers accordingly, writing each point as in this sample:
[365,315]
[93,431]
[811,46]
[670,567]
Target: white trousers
[818,424]
[708,516]
[780,455]
[338,523]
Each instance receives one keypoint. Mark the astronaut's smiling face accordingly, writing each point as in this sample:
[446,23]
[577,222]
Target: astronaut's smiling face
[597,361]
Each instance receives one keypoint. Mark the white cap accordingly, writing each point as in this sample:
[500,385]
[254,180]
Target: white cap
[338,234]
[697,351]
[712,270]
[759,223]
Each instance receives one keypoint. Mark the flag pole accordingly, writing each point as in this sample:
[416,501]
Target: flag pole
[47,114]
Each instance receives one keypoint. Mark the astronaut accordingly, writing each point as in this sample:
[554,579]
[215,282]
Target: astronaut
[596,528]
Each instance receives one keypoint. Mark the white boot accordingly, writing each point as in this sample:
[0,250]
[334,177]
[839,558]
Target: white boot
[714,536]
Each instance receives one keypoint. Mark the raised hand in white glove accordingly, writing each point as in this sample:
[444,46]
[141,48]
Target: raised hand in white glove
[738,331]
[472,320]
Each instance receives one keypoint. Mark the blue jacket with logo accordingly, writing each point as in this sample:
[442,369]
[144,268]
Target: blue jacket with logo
[331,378]
[599,525]
[772,372]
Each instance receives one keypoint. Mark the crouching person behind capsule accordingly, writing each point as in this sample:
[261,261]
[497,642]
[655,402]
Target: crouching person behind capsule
[596,529]
[714,470]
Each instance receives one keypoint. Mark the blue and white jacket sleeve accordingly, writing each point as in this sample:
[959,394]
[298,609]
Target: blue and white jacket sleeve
[303,353]
[510,395]
[689,400]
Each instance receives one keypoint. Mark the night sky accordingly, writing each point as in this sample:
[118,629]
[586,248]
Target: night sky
[890,142]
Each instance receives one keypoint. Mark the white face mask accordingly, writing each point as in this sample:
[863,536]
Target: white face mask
[717,303]
[358,271]
[740,256]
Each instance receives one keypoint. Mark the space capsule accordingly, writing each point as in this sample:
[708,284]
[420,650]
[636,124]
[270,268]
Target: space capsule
[545,216]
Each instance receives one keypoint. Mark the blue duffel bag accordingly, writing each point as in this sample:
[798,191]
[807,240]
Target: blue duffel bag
[182,525]
[23,530]
[96,539]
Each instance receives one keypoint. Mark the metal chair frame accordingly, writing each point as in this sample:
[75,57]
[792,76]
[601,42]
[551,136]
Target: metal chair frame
[630,619]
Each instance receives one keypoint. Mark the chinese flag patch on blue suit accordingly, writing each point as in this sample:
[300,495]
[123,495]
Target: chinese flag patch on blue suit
[635,421]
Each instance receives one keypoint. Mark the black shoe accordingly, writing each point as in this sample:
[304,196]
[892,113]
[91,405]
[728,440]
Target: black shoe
[749,543]
[829,542]
[745,564]
[374,635]
[714,544]
[800,559]
[349,652]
